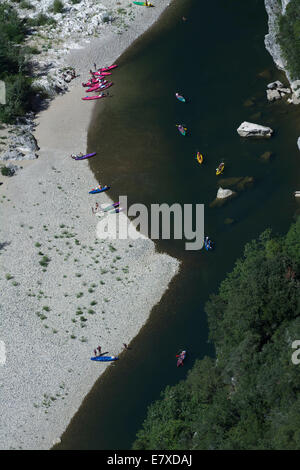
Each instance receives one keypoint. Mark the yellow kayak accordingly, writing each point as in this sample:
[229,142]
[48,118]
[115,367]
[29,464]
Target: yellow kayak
[220,169]
[199,157]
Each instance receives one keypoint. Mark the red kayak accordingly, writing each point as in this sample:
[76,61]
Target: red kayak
[106,69]
[93,81]
[96,97]
[97,86]
[181,358]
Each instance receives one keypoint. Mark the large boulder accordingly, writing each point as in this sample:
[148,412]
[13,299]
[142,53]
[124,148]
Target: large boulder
[249,129]
[275,85]
[273,95]
[223,193]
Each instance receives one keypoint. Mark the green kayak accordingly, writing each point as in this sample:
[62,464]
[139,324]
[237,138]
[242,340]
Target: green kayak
[144,4]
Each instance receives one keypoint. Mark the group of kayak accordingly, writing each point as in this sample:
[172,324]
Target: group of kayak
[208,244]
[183,131]
[98,83]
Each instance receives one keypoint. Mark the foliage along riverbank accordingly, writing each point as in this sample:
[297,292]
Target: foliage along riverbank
[13,65]
[289,37]
[248,397]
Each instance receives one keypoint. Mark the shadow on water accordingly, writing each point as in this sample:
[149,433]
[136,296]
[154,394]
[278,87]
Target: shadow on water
[218,61]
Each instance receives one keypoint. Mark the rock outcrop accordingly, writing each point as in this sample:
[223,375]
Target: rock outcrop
[224,193]
[249,129]
[275,9]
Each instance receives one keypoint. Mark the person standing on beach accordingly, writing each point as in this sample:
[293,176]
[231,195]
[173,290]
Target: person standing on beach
[99,349]
[95,352]
[95,66]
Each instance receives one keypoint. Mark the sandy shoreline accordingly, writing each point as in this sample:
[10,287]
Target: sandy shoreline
[54,311]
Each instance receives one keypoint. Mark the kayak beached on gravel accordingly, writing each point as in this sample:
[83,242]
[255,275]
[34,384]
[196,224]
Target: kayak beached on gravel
[104,358]
[100,189]
[83,157]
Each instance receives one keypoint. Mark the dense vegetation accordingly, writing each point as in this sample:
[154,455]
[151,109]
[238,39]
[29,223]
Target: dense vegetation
[13,64]
[289,37]
[247,398]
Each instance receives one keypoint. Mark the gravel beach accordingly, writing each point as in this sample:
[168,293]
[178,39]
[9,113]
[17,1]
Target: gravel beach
[63,290]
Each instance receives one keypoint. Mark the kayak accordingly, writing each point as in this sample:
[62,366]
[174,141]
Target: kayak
[144,4]
[181,129]
[93,81]
[102,74]
[181,358]
[96,97]
[180,98]
[99,190]
[104,358]
[97,86]
[88,155]
[109,210]
[106,69]
[112,206]
[220,168]
[199,157]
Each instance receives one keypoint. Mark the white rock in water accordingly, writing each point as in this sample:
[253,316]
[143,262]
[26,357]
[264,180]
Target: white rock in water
[223,193]
[298,143]
[274,85]
[273,95]
[248,129]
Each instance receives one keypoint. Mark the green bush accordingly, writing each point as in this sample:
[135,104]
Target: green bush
[41,20]
[6,171]
[57,6]
[289,37]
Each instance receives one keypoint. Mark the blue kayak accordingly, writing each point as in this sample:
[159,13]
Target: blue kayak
[208,244]
[98,190]
[104,358]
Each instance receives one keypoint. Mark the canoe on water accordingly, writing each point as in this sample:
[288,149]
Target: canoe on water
[180,98]
[181,129]
[199,157]
[220,169]
[104,358]
[99,190]
[181,358]
[83,157]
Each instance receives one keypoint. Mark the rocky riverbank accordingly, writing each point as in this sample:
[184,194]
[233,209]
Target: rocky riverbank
[275,9]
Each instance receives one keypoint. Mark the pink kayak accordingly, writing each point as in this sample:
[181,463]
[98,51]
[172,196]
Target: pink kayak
[97,86]
[102,74]
[96,97]
[181,358]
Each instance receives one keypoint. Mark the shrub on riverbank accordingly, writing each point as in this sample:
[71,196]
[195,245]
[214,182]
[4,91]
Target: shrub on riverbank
[13,65]
[289,37]
[249,397]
